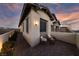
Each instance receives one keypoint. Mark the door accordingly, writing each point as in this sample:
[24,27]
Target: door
[43,25]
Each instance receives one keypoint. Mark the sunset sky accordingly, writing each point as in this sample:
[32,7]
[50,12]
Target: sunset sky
[10,13]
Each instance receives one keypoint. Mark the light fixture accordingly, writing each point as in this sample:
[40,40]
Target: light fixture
[35,22]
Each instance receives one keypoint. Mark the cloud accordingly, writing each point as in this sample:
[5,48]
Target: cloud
[64,14]
[11,22]
[14,7]
[74,9]
[64,11]
[10,14]
[68,16]
[52,6]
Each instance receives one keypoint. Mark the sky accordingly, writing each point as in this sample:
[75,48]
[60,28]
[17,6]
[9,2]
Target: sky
[65,11]
[10,15]
[10,12]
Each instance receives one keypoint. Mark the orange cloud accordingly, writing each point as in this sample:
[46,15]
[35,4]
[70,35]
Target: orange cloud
[63,16]
[67,16]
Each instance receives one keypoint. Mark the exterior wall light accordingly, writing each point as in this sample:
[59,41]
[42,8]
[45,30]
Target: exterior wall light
[36,23]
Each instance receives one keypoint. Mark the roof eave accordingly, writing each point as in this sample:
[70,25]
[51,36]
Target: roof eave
[25,6]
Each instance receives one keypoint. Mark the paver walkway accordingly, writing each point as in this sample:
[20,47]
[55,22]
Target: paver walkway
[58,49]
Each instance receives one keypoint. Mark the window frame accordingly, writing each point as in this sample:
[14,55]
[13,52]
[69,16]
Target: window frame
[27,25]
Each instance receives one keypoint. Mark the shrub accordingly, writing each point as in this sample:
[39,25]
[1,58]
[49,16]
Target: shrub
[7,48]
[13,38]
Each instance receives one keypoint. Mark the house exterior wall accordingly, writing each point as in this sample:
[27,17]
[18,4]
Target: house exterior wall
[33,37]
[21,27]
[46,17]
[35,29]
[28,35]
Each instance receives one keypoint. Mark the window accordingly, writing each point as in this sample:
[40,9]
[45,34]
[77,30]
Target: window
[23,26]
[43,25]
[27,25]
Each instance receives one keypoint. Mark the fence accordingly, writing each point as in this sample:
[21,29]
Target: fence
[4,37]
[72,38]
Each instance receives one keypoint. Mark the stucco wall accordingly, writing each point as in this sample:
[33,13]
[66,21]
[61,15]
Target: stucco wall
[72,38]
[77,40]
[21,28]
[33,35]
[35,29]
[46,17]
[26,35]
[66,37]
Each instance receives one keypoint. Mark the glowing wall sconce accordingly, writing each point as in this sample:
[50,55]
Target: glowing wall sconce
[36,23]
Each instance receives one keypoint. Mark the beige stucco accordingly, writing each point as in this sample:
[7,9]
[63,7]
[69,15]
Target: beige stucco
[77,40]
[33,37]
[21,27]
[72,38]
[64,36]
[46,17]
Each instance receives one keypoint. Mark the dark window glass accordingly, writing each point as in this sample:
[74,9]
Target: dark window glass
[22,26]
[43,24]
[27,25]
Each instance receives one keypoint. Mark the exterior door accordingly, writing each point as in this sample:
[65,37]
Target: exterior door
[43,25]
